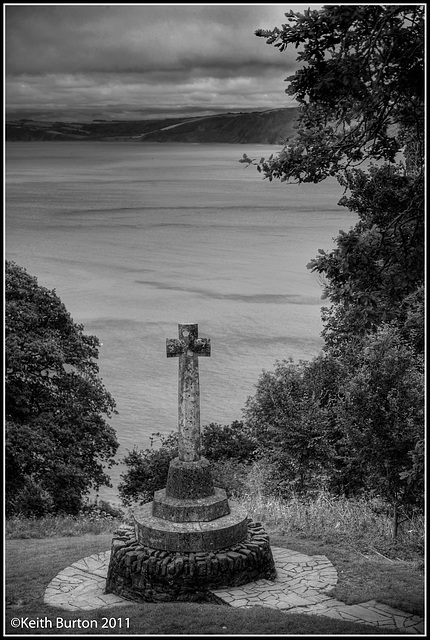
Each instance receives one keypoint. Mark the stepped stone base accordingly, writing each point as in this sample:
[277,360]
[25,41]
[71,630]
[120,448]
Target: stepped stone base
[197,510]
[190,536]
[146,574]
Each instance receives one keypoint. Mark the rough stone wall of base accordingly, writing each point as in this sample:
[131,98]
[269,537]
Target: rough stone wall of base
[141,573]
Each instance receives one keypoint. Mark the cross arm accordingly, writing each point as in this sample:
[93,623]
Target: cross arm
[174,347]
[199,346]
[202,346]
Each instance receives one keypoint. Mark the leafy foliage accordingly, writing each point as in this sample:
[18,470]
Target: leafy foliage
[376,273]
[228,447]
[381,413]
[360,89]
[345,424]
[291,424]
[147,470]
[226,442]
[57,440]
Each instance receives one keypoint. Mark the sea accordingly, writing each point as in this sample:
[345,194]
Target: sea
[136,238]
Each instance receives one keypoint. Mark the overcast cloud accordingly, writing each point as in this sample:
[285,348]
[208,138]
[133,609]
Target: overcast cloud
[139,61]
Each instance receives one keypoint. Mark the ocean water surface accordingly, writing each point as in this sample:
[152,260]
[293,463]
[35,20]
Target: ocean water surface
[136,238]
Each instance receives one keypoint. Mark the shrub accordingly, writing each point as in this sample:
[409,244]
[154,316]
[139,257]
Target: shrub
[230,475]
[291,419]
[147,470]
[228,447]
[224,442]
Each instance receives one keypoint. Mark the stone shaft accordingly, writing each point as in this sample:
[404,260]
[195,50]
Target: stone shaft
[188,348]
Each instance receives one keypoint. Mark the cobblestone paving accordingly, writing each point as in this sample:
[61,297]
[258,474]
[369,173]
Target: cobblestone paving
[303,585]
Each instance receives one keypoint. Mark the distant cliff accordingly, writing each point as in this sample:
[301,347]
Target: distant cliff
[258,127]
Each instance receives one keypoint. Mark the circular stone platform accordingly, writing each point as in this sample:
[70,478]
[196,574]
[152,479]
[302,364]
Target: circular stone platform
[190,536]
[152,574]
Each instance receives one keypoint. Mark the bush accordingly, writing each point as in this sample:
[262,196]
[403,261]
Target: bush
[30,500]
[353,425]
[230,475]
[228,447]
[290,416]
[148,469]
[224,442]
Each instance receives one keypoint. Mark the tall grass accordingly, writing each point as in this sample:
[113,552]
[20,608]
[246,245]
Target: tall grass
[363,523]
[93,519]
[51,526]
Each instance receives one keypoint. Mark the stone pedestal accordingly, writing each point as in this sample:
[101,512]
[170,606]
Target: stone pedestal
[190,514]
[189,540]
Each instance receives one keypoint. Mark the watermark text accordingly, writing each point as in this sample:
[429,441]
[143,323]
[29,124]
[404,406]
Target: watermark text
[43,622]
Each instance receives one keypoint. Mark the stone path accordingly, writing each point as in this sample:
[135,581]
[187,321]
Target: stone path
[303,585]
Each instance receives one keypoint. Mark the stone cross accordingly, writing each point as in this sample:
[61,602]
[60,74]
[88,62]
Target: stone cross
[189,347]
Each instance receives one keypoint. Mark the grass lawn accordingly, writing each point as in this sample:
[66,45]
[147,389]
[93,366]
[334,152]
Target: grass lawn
[32,563]
[396,583]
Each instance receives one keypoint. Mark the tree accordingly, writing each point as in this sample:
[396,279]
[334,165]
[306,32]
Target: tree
[350,424]
[381,413]
[361,102]
[361,98]
[376,273]
[57,438]
[290,418]
[360,89]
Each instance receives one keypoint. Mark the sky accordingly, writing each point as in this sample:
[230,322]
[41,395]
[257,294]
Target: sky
[79,62]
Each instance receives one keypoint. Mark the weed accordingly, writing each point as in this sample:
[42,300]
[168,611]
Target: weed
[92,519]
[362,523]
